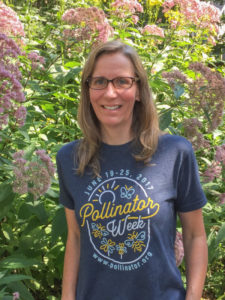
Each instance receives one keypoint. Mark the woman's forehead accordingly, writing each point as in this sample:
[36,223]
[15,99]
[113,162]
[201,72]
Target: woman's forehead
[109,63]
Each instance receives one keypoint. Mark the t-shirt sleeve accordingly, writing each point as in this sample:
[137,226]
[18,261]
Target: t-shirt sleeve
[64,197]
[190,195]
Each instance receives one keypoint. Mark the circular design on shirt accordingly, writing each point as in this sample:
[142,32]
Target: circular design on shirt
[117,216]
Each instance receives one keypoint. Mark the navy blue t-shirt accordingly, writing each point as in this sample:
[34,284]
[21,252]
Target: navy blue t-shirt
[127,219]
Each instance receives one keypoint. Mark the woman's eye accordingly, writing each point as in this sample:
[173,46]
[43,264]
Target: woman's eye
[99,81]
[122,81]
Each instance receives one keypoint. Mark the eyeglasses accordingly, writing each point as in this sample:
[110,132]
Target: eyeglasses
[100,83]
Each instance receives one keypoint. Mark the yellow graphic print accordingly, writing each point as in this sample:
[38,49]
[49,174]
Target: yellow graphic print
[98,230]
[121,249]
[110,210]
[118,215]
[135,240]
[107,246]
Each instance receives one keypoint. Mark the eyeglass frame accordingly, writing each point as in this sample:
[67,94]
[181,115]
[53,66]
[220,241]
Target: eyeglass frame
[134,79]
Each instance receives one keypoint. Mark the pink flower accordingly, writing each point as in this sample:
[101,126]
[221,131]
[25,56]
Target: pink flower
[153,29]
[20,115]
[222,198]
[212,172]
[135,19]
[90,22]
[37,60]
[220,154]
[32,176]
[127,8]
[11,94]
[200,13]
[128,5]
[10,23]
[179,248]
[16,295]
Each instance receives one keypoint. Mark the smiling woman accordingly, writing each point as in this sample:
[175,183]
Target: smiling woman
[113,106]
[122,223]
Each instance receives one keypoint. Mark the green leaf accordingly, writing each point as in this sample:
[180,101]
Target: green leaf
[221,234]
[22,289]
[59,226]
[71,74]
[14,278]
[18,262]
[6,199]
[178,90]
[165,119]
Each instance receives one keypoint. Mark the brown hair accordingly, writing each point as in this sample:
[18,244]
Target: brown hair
[145,119]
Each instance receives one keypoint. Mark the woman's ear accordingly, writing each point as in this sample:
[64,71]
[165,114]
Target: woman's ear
[137,95]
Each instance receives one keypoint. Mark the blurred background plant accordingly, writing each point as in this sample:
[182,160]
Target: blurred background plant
[43,46]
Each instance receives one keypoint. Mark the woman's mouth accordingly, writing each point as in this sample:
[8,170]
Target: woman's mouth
[112,107]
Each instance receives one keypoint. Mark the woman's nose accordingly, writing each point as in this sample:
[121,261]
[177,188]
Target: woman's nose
[110,89]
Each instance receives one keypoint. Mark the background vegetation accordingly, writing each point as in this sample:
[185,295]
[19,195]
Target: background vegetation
[43,47]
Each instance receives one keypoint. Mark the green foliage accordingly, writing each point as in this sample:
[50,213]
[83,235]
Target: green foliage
[33,231]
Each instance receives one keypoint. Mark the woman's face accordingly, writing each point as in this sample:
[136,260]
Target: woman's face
[114,107]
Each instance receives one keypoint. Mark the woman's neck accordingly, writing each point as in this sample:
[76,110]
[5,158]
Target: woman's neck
[116,136]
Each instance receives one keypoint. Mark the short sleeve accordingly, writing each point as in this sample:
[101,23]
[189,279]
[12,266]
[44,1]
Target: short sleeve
[190,195]
[64,197]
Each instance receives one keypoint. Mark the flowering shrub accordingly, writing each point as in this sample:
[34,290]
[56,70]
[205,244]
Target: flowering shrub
[206,95]
[216,171]
[90,21]
[153,29]
[201,14]
[126,8]
[36,60]
[32,176]
[11,94]
[10,24]
[169,36]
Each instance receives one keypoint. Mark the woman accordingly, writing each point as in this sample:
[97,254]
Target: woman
[126,183]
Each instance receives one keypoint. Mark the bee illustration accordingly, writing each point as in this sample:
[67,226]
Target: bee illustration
[99,230]
[135,240]
[126,192]
[107,246]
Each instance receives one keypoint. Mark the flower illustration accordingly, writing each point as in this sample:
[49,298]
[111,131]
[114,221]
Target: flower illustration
[107,246]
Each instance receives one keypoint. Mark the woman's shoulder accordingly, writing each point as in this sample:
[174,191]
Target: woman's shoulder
[68,149]
[176,142]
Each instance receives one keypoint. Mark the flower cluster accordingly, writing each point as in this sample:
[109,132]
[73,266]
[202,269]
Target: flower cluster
[16,295]
[206,95]
[192,128]
[201,13]
[10,24]
[11,95]
[220,154]
[154,30]
[36,60]
[32,176]
[213,171]
[126,8]
[179,248]
[222,198]
[216,169]
[90,21]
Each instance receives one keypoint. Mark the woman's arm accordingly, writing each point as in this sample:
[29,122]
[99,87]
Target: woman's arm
[72,257]
[195,251]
